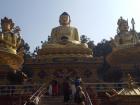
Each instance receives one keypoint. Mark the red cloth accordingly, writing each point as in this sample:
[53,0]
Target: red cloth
[55,89]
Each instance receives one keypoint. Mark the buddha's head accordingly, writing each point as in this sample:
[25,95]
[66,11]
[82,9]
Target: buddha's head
[122,25]
[64,19]
[6,24]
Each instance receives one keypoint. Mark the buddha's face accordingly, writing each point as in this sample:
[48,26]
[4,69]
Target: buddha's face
[64,20]
[6,27]
[124,27]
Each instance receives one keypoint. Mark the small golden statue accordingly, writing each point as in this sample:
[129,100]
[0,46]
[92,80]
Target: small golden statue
[9,37]
[11,46]
[124,37]
[125,45]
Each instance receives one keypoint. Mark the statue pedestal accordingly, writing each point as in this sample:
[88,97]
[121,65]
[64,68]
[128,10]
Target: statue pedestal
[12,60]
[64,52]
[64,61]
[125,56]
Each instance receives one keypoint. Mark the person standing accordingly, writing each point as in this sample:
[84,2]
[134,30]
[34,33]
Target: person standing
[66,90]
[73,90]
[55,88]
[50,89]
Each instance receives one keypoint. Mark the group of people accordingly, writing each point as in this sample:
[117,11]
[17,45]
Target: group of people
[73,91]
[54,88]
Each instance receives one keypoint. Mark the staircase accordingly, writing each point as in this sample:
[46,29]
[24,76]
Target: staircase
[53,100]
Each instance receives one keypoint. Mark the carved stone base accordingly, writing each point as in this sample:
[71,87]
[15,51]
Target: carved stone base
[125,56]
[13,60]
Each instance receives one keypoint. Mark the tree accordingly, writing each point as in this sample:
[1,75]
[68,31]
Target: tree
[85,39]
[34,54]
[27,53]
[103,69]
[103,48]
[113,75]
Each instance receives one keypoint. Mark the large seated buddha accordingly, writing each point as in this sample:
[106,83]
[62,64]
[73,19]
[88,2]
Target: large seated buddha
[125,45]
[64,41]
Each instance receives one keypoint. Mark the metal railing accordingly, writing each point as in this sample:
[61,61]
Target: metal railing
[30,89]
[89,102]
[17,89]
[35,97]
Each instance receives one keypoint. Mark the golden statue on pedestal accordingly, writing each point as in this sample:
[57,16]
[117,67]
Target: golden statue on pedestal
[64,32]
[125,38]
[11,49]
[64,41]
[125,45]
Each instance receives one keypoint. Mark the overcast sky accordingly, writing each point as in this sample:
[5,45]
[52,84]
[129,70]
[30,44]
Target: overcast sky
[95,18]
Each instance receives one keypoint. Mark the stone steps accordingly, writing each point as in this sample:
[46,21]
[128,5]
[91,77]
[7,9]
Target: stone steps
[53,100]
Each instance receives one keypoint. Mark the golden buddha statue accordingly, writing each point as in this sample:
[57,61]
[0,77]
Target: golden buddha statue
[65,34]
[11,49]
[64,40]
[125,38]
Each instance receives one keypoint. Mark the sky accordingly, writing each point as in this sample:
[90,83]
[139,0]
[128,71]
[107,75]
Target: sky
[97,19]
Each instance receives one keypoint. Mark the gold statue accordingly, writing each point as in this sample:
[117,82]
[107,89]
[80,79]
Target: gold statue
[64,42]
[125,38]
[125,45]
[11,46]
[9,37]
[65,33]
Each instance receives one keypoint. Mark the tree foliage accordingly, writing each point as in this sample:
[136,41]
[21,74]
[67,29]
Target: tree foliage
[27,53]
[114,75]
[85,39]
[102,49]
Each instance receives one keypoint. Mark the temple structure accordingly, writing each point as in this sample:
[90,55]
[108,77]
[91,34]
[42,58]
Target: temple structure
[64,55]
[129,94]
